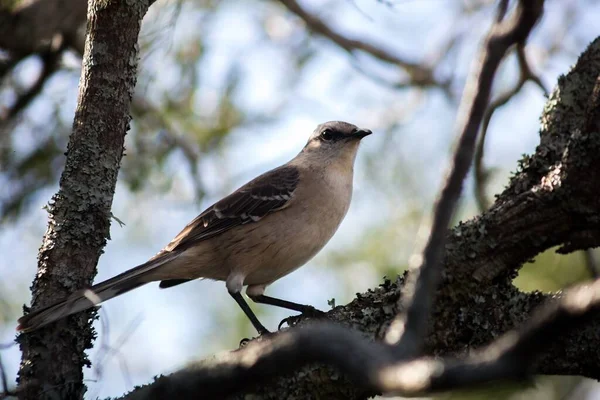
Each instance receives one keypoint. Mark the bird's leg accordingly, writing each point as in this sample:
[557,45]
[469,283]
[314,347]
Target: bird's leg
[304,309]
[237,296]
[255,292]
[234,284]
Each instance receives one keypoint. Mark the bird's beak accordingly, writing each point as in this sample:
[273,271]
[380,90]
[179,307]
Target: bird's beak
[361,133]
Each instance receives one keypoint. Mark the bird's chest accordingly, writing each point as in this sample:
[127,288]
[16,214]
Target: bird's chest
[330,197]
[335,193]
[306,227]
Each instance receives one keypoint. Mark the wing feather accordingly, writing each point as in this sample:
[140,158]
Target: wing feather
[265,194]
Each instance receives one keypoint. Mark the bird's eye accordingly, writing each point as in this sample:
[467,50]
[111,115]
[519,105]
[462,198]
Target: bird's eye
[327,134]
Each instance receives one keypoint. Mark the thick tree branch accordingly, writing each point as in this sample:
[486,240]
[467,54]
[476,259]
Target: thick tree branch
[372,365]
[79,214]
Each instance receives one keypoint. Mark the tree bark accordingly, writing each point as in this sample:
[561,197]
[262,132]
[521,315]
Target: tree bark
[80,213]
[551,201]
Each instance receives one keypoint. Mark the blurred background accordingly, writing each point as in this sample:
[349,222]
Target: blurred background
[229,89]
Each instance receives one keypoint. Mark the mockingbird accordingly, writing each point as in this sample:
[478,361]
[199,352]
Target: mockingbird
[256,235]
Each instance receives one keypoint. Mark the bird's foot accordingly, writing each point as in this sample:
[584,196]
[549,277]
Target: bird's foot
[262,335]
[309,312]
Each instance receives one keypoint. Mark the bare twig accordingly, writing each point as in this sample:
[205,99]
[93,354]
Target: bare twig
[418,75]
[30,25]
[142,108]
[372,365]
[5,392]
[409,330]
[502,8]
[50,62]
[106,350]
[591,263]
[3,380]
[481,175]
[8,64]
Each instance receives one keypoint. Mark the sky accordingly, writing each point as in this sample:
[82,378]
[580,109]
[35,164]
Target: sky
[152,331]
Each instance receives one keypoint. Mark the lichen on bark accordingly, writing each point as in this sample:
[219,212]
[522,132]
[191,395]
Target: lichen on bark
[79,214]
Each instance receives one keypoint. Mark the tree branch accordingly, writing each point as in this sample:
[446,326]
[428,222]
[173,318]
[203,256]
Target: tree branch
[481,175]
[373,365]
[591,263]
[29,27]
[418,74]
[50,62]
[79,214]
[408,330]
[5,392]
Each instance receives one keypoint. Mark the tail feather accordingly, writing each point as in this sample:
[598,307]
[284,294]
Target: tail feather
[172,282]
[86,298]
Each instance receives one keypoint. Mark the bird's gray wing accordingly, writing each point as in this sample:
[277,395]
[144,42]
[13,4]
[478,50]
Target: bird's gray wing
[265,194]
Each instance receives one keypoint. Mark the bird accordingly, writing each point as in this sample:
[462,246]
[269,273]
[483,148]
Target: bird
[261,232]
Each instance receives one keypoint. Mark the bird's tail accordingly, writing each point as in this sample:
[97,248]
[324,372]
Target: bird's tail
[90,297]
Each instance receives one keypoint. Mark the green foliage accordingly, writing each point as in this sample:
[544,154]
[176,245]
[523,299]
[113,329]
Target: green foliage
[550,272]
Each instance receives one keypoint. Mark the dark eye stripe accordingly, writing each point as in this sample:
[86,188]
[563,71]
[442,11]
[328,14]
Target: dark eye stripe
[330,134]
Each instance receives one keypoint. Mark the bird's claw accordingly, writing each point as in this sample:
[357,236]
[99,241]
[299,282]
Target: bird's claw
[290,321]
[309,312]
[264,335]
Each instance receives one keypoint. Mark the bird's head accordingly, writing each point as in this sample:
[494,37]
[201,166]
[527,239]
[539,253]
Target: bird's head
[334,141]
